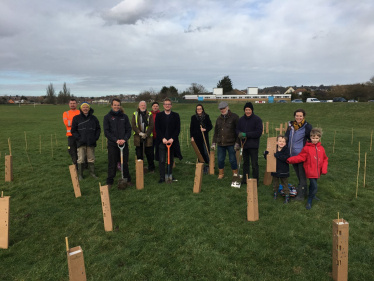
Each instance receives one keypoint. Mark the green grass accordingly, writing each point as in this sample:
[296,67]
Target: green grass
[166,232]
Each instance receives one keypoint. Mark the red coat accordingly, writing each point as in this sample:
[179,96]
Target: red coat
[154,113]
[314,158]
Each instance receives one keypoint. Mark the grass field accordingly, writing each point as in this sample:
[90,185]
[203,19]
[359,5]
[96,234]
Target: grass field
[165,232]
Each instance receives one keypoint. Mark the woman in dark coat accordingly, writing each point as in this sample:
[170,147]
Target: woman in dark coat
[201,124]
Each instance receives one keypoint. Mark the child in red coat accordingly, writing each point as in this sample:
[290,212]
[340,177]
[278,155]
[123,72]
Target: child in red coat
[315,162]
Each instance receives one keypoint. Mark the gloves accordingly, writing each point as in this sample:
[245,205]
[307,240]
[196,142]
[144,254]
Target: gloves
[237,147]
[213,147]
[265,154]
[242,135]
[143,135]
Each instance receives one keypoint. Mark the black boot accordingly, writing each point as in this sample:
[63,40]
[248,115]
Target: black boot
[300,193]
[91,167]
[80,172]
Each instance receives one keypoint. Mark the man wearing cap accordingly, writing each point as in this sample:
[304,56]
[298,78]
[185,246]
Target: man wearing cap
[86,131]
[224,138]
[249,129]
[67,117]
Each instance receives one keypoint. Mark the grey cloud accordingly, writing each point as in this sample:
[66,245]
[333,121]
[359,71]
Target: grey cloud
[197,29]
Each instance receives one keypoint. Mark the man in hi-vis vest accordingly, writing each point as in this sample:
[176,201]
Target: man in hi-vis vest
[68,121]
[142,125]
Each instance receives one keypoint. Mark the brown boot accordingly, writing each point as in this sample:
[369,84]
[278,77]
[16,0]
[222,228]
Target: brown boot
[235,172]
[221,173]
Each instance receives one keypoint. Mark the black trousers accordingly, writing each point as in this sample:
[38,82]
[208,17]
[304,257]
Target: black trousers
[148,153]
[163,158]
[253,154]
[114,156]
[72,149]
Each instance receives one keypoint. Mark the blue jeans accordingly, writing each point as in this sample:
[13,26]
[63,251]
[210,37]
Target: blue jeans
[312,189]
[221,156]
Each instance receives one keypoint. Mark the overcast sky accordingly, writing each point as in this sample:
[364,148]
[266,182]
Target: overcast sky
[125,47]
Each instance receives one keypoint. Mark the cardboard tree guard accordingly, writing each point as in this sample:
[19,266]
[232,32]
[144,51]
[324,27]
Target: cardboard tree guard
[197,152]
[211,162]
[139,175]
[8,168]
[107,210]
[198,178]
[271,163]
[252,200]
[77,271]
[268,178]
[340,234]
[4,221]
[75,181]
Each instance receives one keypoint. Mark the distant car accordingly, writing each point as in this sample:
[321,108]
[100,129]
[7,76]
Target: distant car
[352,101]
[281,101]
[339,99]
[297,101]
[370,100]
[312,100]
[323,100]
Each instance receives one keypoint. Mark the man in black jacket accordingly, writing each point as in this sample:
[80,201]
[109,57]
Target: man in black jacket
[250,127]
[86,131]
[168,126]
[117,130]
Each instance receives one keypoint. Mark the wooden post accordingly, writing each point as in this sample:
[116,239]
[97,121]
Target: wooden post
[340,235]
[4,221]
[197,152]
[359,151]
[198,177]
[211,162]
[107,210]
[75,181]
[267,127]
[268,179]
[281,129]
[271,165]
[9,164]
[252,200]
[358,173]
[365,169]
[139,175]
[285,127]
[77,270]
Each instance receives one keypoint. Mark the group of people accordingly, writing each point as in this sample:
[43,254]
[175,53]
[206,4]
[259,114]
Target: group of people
[156,135]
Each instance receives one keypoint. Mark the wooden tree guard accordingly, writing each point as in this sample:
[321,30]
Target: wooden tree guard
[8,168]
[268,179]
[340,234]
[211,162]
[4,221]
[77,271]
[197,152]
[267,127]
[75,181]
[271,163]
[139,175]
[107,210]
[252,200]
[198,178]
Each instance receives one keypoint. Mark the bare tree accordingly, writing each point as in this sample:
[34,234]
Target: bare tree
[51,95]
[196,89]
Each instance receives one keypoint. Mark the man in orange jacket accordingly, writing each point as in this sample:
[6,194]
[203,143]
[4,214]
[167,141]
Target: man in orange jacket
[68,121]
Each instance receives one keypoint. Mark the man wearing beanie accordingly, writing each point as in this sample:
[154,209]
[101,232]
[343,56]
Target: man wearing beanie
[249,129]
[86,131]
[224,138]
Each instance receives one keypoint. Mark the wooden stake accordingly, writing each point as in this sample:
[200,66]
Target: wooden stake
[25,141]
[365,169]
[267,128]
[56,139]
[352,137]
[10,147]
[67,244]
[333,147]
[40,144]
[52,146]
[358,173]
[338,216]
[2,194]
[359,151]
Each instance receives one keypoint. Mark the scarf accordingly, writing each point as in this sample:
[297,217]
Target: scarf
[297,126]
[115,112]
[201,119]
[144,118]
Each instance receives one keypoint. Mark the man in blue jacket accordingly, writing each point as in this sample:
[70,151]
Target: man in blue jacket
[250,128]
[117,130]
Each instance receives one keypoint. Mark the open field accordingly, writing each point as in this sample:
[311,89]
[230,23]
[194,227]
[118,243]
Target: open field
[165,232]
